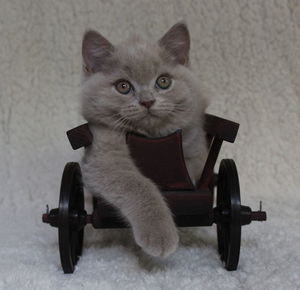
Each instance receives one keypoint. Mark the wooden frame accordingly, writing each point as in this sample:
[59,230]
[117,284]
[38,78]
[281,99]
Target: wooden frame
[190,205]
[198,201]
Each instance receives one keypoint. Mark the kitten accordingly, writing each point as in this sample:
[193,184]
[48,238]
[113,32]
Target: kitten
[146,87]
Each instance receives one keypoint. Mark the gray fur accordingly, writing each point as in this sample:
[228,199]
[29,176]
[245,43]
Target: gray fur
[108,169]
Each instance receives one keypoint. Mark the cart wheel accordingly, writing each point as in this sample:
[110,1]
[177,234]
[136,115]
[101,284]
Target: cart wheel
[71,217]
[229,211]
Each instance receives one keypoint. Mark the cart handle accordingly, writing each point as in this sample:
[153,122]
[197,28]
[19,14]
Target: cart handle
[80,136]
[223,129]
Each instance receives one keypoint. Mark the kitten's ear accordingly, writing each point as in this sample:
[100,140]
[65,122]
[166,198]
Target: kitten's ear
[96,52]
[177,43]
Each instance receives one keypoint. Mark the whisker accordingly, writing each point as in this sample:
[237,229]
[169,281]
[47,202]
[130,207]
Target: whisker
[118,123]
[122,124]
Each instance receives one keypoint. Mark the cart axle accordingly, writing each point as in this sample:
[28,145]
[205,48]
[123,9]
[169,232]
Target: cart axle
[246,215]
[78,219]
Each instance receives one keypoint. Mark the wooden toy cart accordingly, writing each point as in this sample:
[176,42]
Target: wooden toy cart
[160,159]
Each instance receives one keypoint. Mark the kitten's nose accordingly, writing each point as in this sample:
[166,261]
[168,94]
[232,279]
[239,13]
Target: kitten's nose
[147,104]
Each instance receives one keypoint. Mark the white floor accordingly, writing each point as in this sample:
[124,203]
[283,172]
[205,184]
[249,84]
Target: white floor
[269,257]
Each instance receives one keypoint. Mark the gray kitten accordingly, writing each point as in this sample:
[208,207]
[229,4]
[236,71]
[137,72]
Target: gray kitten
[146,87]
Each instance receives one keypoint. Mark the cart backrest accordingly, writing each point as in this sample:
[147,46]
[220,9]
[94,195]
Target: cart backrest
[217,129]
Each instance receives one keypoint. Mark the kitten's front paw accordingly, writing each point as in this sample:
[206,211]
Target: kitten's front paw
[158,239]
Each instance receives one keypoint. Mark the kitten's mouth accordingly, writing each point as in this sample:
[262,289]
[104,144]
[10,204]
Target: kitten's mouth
[148,114]
[152,114]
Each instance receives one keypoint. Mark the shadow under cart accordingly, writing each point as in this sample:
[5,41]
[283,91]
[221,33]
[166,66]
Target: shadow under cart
[164,164]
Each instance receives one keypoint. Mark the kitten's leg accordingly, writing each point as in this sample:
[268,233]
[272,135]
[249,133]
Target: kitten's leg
[138,199]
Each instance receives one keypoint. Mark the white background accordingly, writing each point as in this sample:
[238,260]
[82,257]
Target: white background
[246,52]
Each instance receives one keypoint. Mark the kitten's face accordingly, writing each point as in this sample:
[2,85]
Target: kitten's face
[141,86]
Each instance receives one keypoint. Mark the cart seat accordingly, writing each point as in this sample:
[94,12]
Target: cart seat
[185,205]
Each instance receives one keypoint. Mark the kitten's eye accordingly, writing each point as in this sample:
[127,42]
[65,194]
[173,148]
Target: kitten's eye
[163,82]
[123,87]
